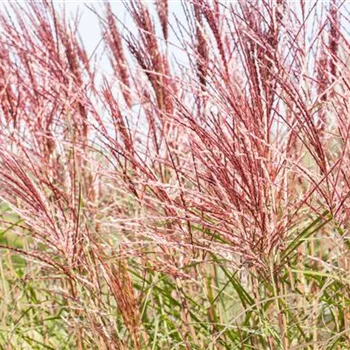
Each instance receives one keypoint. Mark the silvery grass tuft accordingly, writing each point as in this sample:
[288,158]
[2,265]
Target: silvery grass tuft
[190,193]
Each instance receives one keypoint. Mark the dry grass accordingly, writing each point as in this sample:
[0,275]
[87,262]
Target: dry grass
[195,197]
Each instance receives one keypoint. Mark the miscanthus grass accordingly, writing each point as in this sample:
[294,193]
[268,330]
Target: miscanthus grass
[190,192]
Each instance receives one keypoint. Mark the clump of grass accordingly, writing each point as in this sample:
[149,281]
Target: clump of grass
[194,197]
